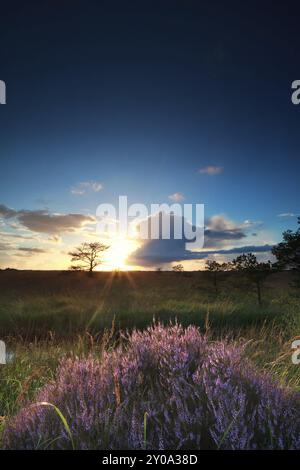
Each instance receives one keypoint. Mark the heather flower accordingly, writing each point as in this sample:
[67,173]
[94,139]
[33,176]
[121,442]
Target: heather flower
[197,395]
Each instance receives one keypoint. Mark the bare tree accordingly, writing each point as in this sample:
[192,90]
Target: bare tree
[88,255]
[178,268]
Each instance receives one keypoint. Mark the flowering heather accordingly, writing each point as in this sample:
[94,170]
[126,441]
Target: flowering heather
[190,392]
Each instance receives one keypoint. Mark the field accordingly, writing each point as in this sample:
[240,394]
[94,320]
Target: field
[47,316]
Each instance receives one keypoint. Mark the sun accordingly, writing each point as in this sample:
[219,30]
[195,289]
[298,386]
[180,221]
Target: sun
[116,256]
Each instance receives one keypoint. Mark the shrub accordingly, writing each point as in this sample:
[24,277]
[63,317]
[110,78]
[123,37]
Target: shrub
[165,388]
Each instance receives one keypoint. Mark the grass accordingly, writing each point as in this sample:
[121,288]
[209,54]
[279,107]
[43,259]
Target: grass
[65,305]
[46,316]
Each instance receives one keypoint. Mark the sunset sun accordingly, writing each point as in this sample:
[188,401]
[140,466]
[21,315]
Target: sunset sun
[117,256]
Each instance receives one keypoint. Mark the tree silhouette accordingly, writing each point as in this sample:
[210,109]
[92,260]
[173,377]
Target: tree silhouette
[288,251]
[178,268]
[255,271]
[88,254]
[214,267]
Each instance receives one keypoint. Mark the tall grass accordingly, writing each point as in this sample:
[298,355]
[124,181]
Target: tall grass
[45,317]
[67,316]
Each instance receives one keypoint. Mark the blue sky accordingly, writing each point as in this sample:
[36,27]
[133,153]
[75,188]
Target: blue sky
[139,97]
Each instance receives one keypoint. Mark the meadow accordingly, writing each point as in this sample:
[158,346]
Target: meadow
[49,316]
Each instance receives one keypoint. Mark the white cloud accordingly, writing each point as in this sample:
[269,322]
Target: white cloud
[287,214]
[55,239]
[176,197]
[8,235]
[211,170]
[84,186]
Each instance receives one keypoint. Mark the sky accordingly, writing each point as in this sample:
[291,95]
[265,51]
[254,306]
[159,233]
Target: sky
[172,101]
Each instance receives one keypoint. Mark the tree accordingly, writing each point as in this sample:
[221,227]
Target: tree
[255,271]
[75,268]
[88,254]
[214,267]
[288,251]
[178,268]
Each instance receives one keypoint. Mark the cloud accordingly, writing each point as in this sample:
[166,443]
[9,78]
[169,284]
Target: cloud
[4,246]
[55,239]
[219,229]
[211,170]
[16,236]
[252,223]
[6,212]
[83,187]
[42,221]
[287,214]
[176,197]
[31,250]
[218,232]
[242,249]
[155,252]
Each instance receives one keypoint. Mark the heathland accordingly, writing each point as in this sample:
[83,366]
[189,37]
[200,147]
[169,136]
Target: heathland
[47,317]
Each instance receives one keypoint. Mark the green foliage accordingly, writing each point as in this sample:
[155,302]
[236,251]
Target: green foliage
[288,251]
[256,272]
[214,267]
[248,262]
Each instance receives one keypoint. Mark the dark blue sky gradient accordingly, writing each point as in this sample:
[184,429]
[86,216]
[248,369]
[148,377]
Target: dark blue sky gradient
[139,95]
